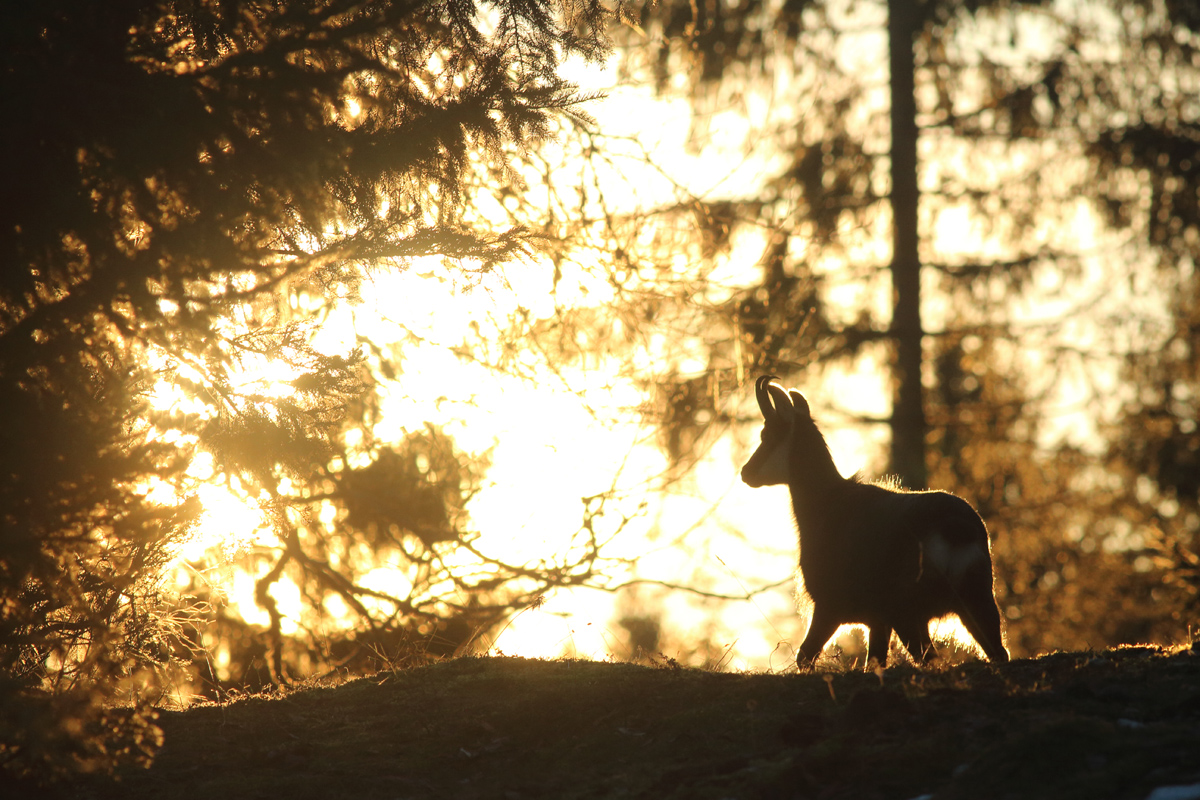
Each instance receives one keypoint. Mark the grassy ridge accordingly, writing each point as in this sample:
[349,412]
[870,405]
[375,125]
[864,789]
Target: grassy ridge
[1074,725]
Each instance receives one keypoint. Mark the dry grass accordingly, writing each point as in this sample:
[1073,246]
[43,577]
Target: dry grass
[1070,725]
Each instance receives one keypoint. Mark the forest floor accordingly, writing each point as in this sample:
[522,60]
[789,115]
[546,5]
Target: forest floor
[1116,724]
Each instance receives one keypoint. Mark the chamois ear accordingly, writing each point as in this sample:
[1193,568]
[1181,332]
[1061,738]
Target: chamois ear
[800,404]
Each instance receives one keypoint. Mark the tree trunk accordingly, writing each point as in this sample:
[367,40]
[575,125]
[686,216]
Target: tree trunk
[908,410]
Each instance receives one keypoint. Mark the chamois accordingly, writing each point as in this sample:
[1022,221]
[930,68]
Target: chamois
[889,559]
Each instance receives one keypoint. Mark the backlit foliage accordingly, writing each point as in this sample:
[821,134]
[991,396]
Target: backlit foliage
[189,185]
[1058,227]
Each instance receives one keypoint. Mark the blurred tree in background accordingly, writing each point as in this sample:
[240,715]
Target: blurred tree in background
[189,187]
[1057,229]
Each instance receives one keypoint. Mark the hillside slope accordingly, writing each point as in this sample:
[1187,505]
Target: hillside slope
[1116,724]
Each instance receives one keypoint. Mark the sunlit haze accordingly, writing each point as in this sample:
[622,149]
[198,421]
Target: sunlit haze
[558,436]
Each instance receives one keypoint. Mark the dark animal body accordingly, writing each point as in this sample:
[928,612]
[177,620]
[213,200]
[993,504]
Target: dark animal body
[889,559]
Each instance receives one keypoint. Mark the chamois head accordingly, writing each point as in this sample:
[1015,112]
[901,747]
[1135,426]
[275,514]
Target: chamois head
[785,414]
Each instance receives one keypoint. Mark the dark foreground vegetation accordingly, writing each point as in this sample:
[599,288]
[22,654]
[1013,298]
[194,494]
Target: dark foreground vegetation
[1120,723]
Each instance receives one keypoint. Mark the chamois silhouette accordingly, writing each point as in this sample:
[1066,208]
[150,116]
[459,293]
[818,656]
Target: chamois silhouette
[887,558]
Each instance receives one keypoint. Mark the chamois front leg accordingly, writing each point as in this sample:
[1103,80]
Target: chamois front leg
[820,630]
[878,639]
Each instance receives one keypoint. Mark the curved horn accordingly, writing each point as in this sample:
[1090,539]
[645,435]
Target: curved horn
[764,399]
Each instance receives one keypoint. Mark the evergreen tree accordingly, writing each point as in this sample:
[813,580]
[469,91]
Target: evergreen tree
[176,175]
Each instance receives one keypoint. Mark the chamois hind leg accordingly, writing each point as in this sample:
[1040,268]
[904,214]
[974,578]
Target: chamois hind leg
[914,635]
[979,614]
[820,630]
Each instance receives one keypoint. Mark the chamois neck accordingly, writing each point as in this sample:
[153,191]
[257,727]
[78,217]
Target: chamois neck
[814,477]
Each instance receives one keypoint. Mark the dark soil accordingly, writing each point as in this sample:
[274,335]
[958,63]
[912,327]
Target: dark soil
[1117,724]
